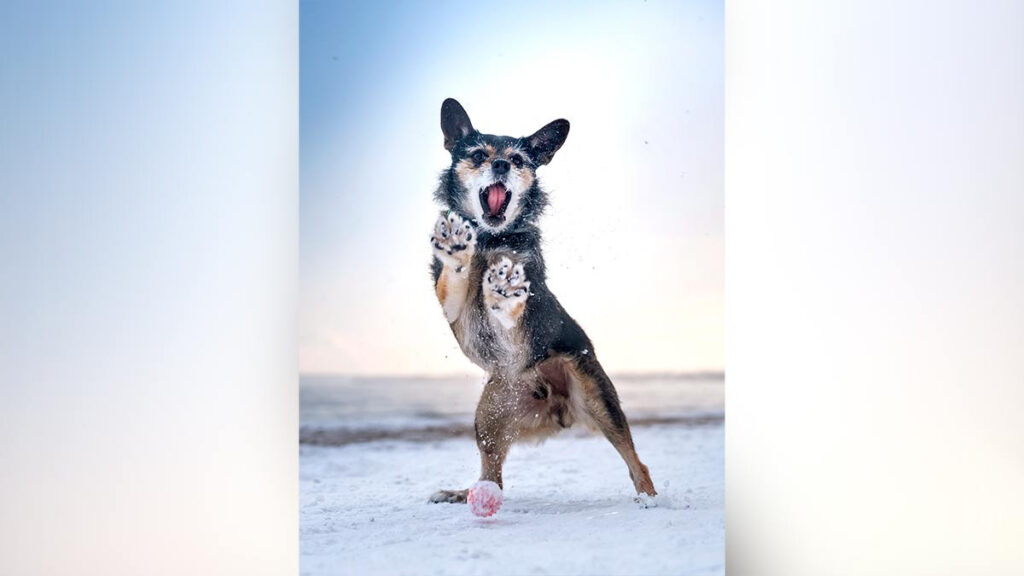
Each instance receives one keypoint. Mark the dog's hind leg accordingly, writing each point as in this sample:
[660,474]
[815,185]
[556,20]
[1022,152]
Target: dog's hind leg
[497,424]
[593,398]
[498,419]
[449,496]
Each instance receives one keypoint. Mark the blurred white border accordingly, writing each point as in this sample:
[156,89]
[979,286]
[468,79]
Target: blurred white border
[149,220]
[874,320]
[875,287]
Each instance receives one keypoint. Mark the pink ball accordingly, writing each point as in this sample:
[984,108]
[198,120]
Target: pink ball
[484,498]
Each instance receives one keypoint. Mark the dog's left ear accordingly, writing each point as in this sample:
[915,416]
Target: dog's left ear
[455,123]
[546,141]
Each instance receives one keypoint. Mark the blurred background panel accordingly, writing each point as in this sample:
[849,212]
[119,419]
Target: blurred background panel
[148,249]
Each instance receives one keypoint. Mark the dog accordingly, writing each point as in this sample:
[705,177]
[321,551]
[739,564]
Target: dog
[543,375]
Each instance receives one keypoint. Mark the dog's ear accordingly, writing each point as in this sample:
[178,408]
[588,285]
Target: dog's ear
[546,141]
[455,123]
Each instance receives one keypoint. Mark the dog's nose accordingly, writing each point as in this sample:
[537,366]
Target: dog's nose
[500,167]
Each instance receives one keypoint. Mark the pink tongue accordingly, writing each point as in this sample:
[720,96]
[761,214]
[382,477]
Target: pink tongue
[495,198]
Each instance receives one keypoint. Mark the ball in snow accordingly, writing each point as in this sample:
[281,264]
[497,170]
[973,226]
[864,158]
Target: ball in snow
[484,498]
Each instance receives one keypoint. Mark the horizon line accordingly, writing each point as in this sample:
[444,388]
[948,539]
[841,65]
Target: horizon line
[681,374]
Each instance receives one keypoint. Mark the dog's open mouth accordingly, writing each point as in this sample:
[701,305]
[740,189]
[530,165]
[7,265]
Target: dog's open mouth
[495,199]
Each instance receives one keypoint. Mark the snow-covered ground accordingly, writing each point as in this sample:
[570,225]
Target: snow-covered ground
[568,508]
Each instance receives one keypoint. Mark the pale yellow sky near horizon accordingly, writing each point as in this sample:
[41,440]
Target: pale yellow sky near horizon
[633,236]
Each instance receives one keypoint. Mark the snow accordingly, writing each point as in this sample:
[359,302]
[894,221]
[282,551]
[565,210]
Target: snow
[569,507]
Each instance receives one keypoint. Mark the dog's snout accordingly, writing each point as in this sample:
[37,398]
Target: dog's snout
[500,167]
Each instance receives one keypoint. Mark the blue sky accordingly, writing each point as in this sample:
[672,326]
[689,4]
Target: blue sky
[634,232]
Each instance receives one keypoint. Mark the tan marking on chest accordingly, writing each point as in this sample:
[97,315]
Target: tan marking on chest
[442,287]
[517,311]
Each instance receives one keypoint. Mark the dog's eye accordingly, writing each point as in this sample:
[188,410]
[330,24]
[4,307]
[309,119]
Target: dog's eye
[478,156]
[517,160]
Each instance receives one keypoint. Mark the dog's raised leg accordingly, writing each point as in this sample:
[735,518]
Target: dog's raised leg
[497,420]
[505,290]
[454,242]
[587,380]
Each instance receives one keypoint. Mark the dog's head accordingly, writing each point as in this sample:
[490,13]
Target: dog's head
[492,178]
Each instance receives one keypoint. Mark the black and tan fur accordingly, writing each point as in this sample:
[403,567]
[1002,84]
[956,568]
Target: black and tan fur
[543,374]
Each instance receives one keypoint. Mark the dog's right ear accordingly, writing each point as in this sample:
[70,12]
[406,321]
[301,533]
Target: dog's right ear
[454,123]
[546,141]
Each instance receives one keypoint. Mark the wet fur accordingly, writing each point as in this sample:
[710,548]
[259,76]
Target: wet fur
[543,373]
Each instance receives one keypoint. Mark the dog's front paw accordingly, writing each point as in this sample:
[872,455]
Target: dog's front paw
[506,290]
[454,240]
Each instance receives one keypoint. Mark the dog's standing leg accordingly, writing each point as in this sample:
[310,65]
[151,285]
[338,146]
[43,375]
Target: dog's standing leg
[496,425]
[603,406]
[454,242]
[596,395]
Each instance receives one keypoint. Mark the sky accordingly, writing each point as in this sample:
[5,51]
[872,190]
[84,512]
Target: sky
[633,238]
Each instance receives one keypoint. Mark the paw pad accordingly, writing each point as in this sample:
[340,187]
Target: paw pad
[506,279]
[506,290]
[453,239]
